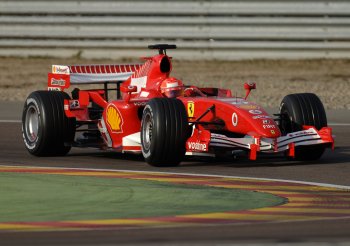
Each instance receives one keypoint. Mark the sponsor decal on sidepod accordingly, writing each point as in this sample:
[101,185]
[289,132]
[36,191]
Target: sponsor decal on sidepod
[114,119]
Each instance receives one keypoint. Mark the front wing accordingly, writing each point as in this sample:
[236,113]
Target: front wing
[198,142]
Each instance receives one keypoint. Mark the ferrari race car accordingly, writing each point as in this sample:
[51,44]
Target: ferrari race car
[160,117]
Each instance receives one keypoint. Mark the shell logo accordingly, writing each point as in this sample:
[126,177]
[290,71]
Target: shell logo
[114,119]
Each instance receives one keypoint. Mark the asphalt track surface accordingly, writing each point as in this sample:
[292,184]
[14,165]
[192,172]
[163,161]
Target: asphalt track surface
[333,168]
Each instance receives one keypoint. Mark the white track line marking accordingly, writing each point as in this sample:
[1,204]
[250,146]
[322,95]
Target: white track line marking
[193,174]
[339,124]
[10,121]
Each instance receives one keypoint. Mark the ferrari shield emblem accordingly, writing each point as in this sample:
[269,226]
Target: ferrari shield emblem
[190,109]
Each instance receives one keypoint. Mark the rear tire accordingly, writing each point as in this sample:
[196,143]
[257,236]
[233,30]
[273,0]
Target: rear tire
[164,133]
[303,109]
[46,130]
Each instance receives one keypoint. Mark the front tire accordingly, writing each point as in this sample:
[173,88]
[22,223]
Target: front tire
[46,130]
[303,109]
[164,133]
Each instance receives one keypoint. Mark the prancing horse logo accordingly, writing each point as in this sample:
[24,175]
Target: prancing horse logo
[190,109]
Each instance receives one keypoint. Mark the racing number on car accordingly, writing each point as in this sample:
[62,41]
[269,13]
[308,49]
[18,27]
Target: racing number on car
[190,109]
[114,119]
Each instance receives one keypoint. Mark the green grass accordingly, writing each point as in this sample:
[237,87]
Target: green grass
[43,197]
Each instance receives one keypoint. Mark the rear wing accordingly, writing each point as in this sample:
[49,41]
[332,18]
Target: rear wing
[63,76]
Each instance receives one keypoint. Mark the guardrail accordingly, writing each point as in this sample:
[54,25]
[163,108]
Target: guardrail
[225,30]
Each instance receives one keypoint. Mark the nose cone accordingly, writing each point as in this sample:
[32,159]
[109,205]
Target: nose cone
[260,121]
[269,128]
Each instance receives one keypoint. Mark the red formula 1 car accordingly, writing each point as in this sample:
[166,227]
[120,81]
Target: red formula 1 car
[156,115]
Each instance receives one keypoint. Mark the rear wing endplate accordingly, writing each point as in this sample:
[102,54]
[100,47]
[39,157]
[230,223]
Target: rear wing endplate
[63,76]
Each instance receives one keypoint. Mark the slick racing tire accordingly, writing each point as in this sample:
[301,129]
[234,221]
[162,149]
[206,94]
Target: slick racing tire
[303,109]
[164,131]
[45,128]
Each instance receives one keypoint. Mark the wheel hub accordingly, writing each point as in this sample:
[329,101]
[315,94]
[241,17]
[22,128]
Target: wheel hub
[147,133]
[32,123]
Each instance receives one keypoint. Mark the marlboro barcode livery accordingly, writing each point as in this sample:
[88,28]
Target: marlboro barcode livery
[164,118]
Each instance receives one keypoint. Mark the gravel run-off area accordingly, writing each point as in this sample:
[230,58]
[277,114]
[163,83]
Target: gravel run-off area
[329,79]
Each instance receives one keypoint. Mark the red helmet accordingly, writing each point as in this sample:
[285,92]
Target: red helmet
[172,87]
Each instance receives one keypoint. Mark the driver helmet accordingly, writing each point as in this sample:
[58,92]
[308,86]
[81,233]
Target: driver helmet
[172,87]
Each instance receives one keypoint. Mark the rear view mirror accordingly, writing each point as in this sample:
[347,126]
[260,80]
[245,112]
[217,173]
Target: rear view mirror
[248,86]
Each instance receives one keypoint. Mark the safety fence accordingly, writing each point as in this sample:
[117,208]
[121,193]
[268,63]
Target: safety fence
[224,30]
